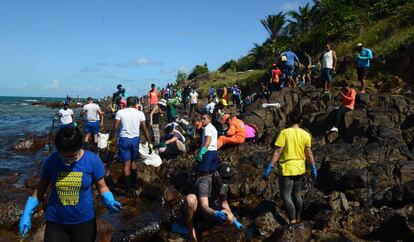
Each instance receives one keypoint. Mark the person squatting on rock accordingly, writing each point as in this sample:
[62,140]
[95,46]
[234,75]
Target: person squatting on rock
[348,102]
[293,148]
[71,172]
[155,114]
[66,115]
[129,121]
[208,202]
[94,120]
[174,143]
[235,134]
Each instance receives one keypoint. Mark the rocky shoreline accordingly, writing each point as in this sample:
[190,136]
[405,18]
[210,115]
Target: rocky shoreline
[364,191]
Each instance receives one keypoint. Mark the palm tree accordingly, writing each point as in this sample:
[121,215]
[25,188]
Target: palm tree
[301,20]
[274,24]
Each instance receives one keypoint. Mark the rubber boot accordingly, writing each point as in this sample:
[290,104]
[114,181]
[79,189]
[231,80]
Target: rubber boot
[128,186]
[134,179]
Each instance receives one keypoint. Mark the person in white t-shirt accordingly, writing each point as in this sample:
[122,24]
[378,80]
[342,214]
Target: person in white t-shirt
[66,115]
[193,101]
[93,121]
[210,106]
[207,155]
[129,121]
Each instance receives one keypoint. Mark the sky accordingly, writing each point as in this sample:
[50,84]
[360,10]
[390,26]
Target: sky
[53,48]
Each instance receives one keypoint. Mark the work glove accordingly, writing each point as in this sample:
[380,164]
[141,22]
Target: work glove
[268,169]
[150,148]
[220,216]
[200,155]
[112,205]
[314,171]
[238,225]
[75,124]
[162,144]
[25,219]
[110,145]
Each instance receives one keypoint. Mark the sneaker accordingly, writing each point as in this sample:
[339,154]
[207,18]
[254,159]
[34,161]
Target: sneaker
[334,129]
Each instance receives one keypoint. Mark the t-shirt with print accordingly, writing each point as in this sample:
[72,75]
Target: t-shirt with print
[131,119]
[71,198]
[292,160]
[91,110]
[194,97]
[66,116]
[211,131]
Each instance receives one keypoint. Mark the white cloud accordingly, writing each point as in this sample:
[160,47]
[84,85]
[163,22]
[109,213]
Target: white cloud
[53,85]
[142,61]
[21,86]
[290,5]
[167,71]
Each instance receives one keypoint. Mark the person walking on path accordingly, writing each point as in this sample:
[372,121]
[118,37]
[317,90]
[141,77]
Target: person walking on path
[193,101]
[328,67]
[129,120]
[153,96]
[66,115]
[348,101]
[94,120]
[289,66]
[70,172]
[293,148]
[363,65]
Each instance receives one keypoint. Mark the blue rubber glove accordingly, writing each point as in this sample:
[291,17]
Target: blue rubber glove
[268,169]
[238,225]
[314,171]
[202,152]
[25,220]
[112,205]
[220,216]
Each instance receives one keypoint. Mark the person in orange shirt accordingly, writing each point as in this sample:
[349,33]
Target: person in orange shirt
[348,101]
[236,132]
[153,96]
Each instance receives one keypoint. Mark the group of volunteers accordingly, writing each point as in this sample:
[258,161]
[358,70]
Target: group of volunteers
[72,170]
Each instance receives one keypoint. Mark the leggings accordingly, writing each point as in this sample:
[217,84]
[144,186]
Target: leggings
[84,232]
[290,191]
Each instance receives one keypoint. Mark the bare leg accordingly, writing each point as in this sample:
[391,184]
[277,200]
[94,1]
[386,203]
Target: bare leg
[190,209]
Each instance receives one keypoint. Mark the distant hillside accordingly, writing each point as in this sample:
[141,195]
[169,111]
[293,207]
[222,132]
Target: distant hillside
[385,26]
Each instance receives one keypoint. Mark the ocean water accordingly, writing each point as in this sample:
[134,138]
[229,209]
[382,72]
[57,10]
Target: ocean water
[18,120]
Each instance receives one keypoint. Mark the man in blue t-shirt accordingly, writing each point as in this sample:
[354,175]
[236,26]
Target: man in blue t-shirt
[289,58]
[363,64]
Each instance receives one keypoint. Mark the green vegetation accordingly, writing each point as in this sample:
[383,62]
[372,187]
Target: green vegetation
[385,26]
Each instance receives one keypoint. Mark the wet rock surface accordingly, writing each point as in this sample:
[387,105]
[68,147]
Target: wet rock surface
[364,191]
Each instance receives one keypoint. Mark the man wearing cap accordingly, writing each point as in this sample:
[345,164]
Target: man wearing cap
[236,132]
[208,202]
[363,64]
[66,115]
[93,119]
[155,114]
[153,96]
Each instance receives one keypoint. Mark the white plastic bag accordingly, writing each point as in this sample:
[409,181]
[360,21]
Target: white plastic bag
[152,159]
[102,140]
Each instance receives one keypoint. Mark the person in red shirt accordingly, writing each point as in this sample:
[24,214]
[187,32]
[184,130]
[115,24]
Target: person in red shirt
[348,101]
[275,80]
[153,96]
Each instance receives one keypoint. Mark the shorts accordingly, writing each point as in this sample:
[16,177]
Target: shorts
[209,162]
[327,75]
[128,148]
[92,127]
[66,125]
[362,73]
[288,71]
[84,232]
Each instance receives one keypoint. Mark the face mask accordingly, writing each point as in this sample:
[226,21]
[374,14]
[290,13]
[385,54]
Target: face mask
[69,160]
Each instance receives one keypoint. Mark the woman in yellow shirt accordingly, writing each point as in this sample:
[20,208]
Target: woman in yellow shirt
[293,148]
